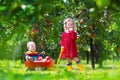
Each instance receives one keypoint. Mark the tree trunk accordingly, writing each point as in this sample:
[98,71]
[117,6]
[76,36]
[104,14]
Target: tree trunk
[87,57]
[92,53]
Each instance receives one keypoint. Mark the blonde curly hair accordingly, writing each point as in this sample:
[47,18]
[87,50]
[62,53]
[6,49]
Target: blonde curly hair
[68,21]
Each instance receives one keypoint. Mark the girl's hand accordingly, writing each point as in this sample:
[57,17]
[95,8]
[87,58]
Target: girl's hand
[66,29]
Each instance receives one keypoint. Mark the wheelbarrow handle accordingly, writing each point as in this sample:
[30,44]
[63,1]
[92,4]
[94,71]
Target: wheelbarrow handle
[58,60]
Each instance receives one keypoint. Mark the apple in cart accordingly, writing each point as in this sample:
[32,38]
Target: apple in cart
[47,58]
[39,58]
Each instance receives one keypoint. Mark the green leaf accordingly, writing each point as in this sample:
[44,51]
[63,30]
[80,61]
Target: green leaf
[102,3]
[2,8]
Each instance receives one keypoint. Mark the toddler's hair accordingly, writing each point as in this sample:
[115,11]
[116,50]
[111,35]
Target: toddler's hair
[29,43]
[70,20]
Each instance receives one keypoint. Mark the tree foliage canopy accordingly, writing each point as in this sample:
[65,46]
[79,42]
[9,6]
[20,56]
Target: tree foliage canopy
[41,21]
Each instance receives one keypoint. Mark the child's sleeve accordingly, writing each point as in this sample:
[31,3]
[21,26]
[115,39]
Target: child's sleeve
[73,35]
[27,56]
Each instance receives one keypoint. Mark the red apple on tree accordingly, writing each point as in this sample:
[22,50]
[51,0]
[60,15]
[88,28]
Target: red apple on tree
[80,12]
[34,31]
[82,21]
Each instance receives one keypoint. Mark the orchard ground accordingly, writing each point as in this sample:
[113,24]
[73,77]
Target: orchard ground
[12,70]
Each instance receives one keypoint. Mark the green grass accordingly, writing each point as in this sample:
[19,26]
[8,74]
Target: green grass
[14,70]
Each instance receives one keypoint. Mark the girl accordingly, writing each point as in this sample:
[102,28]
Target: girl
[68,44]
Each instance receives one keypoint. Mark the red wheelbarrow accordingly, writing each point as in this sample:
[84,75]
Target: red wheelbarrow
[46,63]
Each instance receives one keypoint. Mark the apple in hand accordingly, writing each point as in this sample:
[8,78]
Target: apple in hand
[71,29]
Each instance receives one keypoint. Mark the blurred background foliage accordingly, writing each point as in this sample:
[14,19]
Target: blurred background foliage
[41,21]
